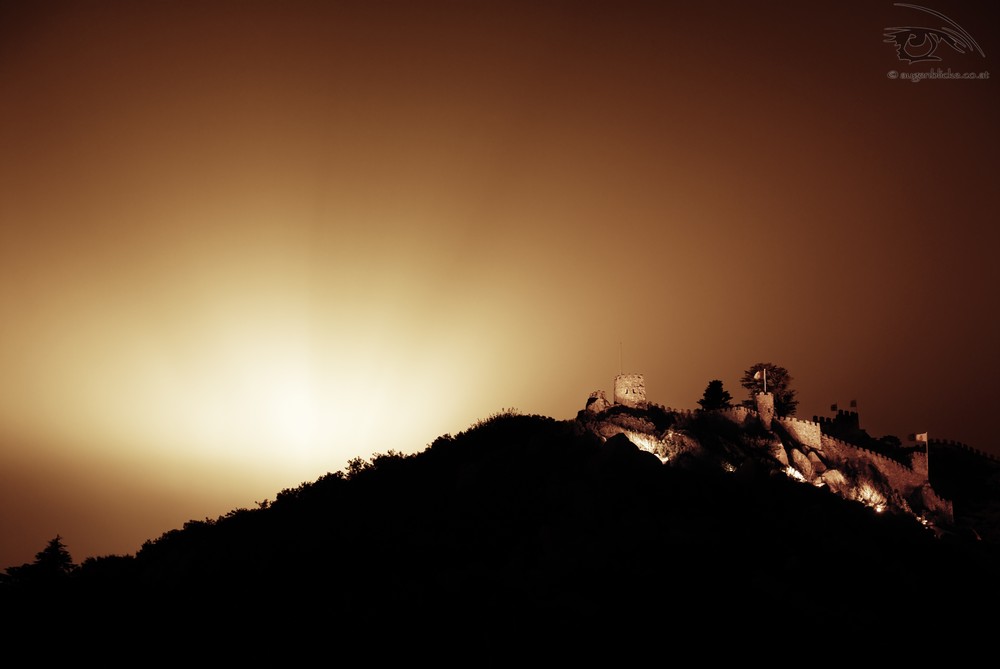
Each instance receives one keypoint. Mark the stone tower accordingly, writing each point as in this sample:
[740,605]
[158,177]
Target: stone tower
[630,390]
[765,408]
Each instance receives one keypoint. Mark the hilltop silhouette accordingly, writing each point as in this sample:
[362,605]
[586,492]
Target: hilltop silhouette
[527,527]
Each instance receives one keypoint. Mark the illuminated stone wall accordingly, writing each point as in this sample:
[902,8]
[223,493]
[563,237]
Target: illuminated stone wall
[630,390]
[824,458]
[803,431]
[835,452]
[812,455]
[905,480]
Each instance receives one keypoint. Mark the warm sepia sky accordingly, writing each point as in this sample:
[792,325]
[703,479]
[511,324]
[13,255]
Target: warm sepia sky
[243,242]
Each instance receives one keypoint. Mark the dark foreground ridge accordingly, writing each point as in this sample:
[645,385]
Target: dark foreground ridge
[528,527]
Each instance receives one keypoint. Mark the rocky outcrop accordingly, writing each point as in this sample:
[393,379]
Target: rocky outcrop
[597,402]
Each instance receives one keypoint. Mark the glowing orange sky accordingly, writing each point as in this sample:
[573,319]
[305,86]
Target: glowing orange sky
[243,242]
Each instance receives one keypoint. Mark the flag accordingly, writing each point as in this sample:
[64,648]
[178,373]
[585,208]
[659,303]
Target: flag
[854,404]
[833,407]
[921,437]
[756,376]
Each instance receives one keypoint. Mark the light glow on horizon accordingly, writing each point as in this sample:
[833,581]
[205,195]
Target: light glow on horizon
[244,243]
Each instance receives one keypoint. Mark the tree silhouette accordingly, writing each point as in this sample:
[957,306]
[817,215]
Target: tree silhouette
[778,382]
[715,396]
[51,563]
[54,560]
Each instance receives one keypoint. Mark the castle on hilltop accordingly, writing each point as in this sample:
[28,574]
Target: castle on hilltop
[630,391]
[824,452]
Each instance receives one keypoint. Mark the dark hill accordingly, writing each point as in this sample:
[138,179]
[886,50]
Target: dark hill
[524,527]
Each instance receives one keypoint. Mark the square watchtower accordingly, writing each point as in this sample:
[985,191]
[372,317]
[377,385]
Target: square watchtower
[630,390]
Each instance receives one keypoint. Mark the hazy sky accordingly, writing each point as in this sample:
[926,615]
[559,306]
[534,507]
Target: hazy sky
[244,242]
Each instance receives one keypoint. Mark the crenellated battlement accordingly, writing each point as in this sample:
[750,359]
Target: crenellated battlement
[868,454]
[793,419]
[737,414]
[958,445]
[686,413]
[843,416]
[805,431]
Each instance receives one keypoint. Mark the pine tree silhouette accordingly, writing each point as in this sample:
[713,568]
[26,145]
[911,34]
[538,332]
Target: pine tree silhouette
[715,396]
[52,563]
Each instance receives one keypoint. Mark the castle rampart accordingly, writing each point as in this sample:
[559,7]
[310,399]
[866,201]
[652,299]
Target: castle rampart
[823,455]
[961,446]
[805,432]
[737,414]
[900,476]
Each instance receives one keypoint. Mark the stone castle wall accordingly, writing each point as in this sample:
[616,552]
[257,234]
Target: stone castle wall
[805,432]
[737,414]
[960,446]
[630,390]
[834,452]
[820,450]
[900,476]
